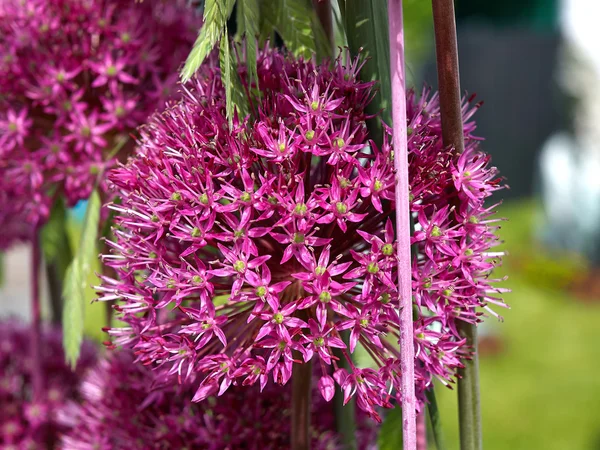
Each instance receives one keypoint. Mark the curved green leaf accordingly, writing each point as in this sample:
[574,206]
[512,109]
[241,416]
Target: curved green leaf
[76,281]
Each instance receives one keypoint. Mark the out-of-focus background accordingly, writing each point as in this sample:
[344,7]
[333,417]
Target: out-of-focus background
[536,66]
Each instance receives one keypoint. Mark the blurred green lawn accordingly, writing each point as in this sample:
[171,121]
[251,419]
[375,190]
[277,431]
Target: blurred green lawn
[543,390]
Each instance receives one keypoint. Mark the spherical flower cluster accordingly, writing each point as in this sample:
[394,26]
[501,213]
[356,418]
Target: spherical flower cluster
[122,410]
[242,250]
[76,77]
[26,422]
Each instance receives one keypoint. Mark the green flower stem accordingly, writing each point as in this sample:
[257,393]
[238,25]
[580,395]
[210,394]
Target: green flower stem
[469,408]
[435,419]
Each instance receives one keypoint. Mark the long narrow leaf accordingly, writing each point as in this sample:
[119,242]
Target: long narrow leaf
[216,13]
[76,280]
[366,23]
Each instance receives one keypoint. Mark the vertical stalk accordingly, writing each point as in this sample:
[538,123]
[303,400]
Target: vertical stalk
[469,408]
[323,10]
[434,419]
[452,132]
[421,431]
[301,399]
[55,291]
[37,379]
[407,351]
[345,415]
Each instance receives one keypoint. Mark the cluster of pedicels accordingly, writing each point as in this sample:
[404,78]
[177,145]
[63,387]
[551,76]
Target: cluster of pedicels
[76,78]
[27,422]
[242,249]
[125,406]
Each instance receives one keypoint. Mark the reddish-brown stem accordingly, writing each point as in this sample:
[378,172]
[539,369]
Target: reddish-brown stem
[453,136]
[323,9]
[37,377]
[301,395]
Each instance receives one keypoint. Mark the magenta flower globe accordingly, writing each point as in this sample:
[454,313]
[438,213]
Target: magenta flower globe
[27,422]
[244,249]
[126,407]
[76,78]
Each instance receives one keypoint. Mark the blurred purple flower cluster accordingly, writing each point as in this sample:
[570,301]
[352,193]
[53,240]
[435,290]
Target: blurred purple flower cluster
[242,250]
[76,77]
[26,422]
[122,410]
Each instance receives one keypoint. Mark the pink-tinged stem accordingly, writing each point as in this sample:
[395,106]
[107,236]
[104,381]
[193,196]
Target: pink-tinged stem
[407,350]
[37,377]
[421,432]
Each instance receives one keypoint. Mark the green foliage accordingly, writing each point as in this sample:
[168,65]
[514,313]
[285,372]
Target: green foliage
[248,14]
[216,13]
[296,23]
[234,92]
[74,290]
[366,24]
[390,433]
[54,239]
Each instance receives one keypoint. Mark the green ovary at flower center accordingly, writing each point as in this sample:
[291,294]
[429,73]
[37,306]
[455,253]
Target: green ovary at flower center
[372,268]
[86,132]
[300,209]
[309,135]
[261,291]
[341,208]
[339,142]
[238,233]
[281,147]
[364,323]
[320,270]
[224,367]
[239,266]
[205,326]
[447,292]
[245,197]
[325,297]
[278,318]
[469,252]
[12,127]
[298,238]
[196,232]
[387,249]
[176,196]
[377,186]
[319,342]
[111,71]
[60,77]
[314,106]
[119,111]
[435,231]
[282,345]
[197,279]
[385,298]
